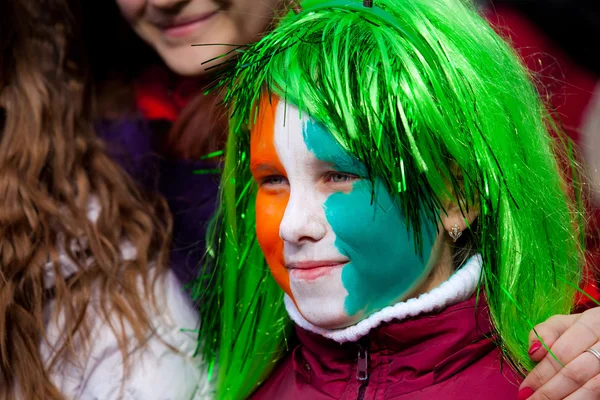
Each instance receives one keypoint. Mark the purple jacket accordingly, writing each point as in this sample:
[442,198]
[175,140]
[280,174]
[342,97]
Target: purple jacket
[192,197]
[444,355]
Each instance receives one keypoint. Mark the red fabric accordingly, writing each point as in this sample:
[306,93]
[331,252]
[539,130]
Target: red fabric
[570,88]
[161,95]
[445,355]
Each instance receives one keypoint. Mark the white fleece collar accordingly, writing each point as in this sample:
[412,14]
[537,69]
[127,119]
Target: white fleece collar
[459,287]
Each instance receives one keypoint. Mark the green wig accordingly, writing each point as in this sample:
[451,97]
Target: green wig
[437,105]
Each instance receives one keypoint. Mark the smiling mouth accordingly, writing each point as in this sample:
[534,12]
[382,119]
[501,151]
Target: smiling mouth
[186,26]
[311,270]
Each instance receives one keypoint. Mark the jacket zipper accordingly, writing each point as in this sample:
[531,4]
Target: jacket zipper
[362,367]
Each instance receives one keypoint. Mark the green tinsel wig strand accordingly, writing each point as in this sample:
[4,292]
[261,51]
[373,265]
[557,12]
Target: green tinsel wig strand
[436,104]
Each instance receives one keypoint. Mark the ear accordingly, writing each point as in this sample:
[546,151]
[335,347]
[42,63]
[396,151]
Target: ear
[454,215]
[460,214]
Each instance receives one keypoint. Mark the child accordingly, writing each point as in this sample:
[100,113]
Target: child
[398,165]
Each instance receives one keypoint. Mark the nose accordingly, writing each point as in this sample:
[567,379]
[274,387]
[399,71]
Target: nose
[303,220]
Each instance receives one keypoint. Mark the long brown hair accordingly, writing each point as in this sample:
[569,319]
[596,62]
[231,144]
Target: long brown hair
[52,167]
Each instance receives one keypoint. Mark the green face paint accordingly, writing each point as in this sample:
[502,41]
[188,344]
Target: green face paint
[373,235]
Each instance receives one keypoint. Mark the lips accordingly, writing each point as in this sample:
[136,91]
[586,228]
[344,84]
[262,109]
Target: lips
[311,270]
[182,26]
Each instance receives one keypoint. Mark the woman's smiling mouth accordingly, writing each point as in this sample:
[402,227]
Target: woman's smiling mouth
[181,27]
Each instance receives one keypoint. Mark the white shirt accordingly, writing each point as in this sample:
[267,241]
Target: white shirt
[156,371]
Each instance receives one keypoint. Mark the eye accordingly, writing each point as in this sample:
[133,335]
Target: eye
[273,181]
[341,177]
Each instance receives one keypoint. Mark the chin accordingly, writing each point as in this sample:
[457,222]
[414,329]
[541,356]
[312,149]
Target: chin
[186,63]
[322,301]
[191,61]
[333,322]
[328,313]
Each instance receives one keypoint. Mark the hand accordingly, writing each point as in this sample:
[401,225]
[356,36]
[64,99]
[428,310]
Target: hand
[568,336]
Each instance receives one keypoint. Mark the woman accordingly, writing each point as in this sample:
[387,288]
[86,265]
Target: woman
[89,309]
[149,74]
[398,165]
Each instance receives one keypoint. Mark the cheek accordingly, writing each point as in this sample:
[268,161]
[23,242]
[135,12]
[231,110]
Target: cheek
[269,214]
[251,17]
[351,216]
[384,264]
[131,8]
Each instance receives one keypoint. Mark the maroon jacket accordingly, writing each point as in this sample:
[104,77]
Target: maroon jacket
[444,355]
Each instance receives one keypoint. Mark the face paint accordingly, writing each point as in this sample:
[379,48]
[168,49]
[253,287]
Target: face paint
[342,257]
[383,262]
[292,229]
[271,201]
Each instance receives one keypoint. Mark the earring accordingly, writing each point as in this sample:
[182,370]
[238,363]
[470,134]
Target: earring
[455,232]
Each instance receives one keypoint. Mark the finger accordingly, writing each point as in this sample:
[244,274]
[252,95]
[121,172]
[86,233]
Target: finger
[566,348]
[548,333]
[589,391]
[573,377]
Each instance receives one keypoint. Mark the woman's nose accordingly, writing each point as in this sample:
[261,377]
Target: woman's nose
[168,4]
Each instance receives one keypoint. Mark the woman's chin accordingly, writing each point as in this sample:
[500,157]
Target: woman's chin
[192,61]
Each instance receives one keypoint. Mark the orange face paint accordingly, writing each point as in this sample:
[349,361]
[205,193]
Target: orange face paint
[270,205]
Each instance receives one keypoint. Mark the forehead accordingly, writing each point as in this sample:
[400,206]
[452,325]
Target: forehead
[290,128]
[285,133]
[279,132]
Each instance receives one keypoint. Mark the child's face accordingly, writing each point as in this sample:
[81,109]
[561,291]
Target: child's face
[171,27]
[339,255]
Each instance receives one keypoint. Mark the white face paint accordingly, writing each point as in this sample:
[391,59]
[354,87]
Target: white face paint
[311,257]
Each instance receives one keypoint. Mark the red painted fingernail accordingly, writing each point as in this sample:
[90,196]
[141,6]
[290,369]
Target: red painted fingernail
[525,393]
[535,346]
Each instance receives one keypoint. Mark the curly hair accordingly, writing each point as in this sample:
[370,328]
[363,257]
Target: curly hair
[52,166]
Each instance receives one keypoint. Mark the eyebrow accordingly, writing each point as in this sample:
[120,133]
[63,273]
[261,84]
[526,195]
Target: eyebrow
[263,167]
